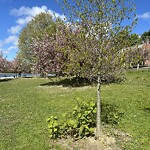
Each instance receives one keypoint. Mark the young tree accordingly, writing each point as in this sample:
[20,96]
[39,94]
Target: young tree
[102,24]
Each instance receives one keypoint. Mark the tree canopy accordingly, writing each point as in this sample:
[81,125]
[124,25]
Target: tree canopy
[104,38]
[5,65]
[40,41]
[92,42]
[34,29]
[134,39]
[145,35]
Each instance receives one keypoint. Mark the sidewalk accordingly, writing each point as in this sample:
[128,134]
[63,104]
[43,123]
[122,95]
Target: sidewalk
[7,78]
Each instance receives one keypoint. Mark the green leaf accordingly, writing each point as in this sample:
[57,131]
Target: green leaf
[55,129]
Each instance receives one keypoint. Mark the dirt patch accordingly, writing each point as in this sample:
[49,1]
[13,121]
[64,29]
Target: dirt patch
[121,137]
[105,143]
[63,87]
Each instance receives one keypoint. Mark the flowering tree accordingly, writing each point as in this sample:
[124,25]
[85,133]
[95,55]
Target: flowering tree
[92,44]
[47,58]
[40,43]
[20,65]
[40,24]
[4,64]
[103,38]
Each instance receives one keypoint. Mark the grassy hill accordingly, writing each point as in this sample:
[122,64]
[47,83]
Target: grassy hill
[26,103]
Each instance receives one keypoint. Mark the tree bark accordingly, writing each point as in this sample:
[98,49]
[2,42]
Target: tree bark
[98,124]
[138,66]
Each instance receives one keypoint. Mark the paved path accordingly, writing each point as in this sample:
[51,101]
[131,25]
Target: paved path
[6,77]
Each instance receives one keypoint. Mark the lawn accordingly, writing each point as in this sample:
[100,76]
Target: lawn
[26,103]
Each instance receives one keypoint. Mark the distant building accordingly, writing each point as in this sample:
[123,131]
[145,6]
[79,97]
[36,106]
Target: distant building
[146,52]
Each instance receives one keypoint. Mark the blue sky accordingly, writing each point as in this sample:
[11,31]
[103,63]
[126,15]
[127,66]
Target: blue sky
[14,14]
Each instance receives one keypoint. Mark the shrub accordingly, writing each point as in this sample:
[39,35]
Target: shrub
[81,122]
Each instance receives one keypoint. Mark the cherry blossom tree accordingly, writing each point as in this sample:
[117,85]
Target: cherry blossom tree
[21,65]
[40,24]
[4,64]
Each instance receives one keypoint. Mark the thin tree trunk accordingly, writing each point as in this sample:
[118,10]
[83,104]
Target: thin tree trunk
[98,119]
[138,66]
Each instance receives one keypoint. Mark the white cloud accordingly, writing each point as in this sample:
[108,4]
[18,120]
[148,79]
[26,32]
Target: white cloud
[22,21]
[9,49]
[14,29]
[10,40]
[27,13]
[9,44]
[24,15]
[5,52]
[144,16]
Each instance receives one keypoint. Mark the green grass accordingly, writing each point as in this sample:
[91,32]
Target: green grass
[133,98]
[25,104]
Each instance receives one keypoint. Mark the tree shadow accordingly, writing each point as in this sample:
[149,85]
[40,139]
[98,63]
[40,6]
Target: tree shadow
[147,109]
[73,82]
[5,80]
[110,114]
[27,77]
[80,82]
